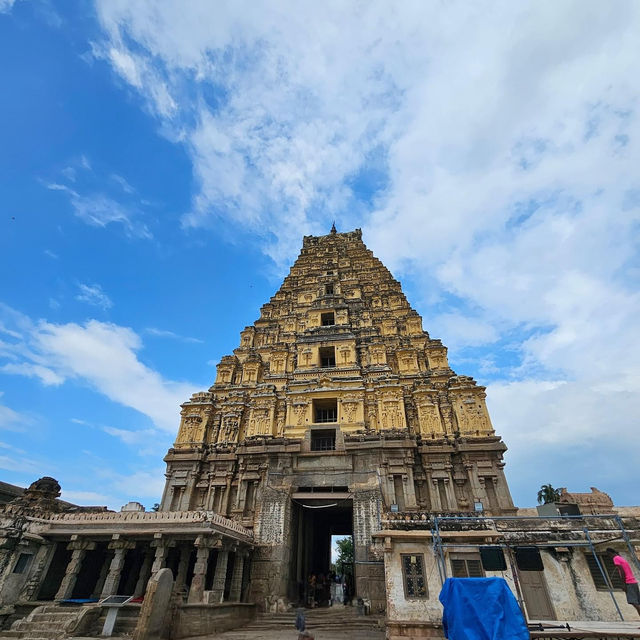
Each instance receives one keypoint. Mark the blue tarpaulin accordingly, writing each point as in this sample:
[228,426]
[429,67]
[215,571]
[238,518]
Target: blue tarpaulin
[481,609]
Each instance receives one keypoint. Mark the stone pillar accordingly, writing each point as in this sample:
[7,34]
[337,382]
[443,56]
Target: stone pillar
[97,590]
[79,548]
[504,497]
[236,577]
[208,503]
[144,575]
[224,509]
[220,576]
[183,565]
[242,494]
[187,496]
[436,504]
[451,494]
[160,547]
[120,548]
[203,546]
[409,490]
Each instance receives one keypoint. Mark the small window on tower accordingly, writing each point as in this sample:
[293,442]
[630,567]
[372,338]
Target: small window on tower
[325,410]
[327,357]
[328,289]
[327,319]
[323,440]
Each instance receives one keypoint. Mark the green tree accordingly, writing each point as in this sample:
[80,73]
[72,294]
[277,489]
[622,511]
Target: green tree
[345,555]
[548,494]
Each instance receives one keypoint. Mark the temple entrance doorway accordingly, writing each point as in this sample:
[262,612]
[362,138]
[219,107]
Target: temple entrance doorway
[316,517]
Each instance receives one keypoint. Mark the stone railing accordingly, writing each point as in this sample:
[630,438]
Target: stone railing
[151,517]
[426,520]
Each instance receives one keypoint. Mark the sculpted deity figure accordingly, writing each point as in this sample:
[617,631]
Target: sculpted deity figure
[372,418]
[430,421]
[349,409]
[262,422]
[229,430]
[464,419]
[394,415]
[186,432]
[300,410]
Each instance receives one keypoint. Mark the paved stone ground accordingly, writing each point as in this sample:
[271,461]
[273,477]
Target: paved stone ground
[332,623]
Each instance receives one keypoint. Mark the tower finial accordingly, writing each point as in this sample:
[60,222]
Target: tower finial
[333,227]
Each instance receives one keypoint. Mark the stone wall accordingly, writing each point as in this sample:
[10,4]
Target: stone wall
[208,619]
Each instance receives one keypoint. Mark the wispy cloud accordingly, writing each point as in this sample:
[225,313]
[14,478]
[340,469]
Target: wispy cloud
[102,356]
[11,420]
[163,333]
[6,5]
[94,295]
[96,205]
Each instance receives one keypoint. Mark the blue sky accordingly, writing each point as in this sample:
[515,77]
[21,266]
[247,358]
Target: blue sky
[161,162]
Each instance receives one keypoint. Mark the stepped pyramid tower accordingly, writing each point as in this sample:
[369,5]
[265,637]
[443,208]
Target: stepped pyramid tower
[336,408]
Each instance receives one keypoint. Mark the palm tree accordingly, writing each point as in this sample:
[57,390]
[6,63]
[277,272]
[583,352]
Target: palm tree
[548,494]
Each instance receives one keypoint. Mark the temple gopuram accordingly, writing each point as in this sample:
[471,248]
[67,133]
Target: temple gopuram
[335,408]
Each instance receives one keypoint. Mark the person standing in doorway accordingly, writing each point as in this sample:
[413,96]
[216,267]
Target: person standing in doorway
[630,583]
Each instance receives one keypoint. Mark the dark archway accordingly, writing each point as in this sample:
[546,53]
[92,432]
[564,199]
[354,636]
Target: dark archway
[314,521]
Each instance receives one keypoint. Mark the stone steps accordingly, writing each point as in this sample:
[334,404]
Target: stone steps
[332,621]
[125,622]
[322,624]
[47,622]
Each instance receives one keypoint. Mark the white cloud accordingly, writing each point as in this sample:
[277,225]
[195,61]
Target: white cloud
[163,333]
[87,498]
[570,434]
[148,484]
[103,356]
[101,210]
[116,487]
[464,329]
[149,442]
[6,5]
[46,375]
[19,463]
[11,420]
[94,295]
[507,137]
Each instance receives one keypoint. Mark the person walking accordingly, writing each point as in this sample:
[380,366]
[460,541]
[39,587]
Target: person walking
[630,583]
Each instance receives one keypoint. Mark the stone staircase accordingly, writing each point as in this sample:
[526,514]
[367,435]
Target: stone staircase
[326,623]
[52,622]
[125,622]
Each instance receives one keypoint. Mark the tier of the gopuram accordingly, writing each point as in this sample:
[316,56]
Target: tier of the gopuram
[336,408]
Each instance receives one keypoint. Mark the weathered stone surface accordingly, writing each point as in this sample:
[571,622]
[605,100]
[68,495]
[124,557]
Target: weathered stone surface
[204,619]
[155,613]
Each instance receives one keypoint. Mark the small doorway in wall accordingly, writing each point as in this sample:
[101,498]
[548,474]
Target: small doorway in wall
[536,596]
